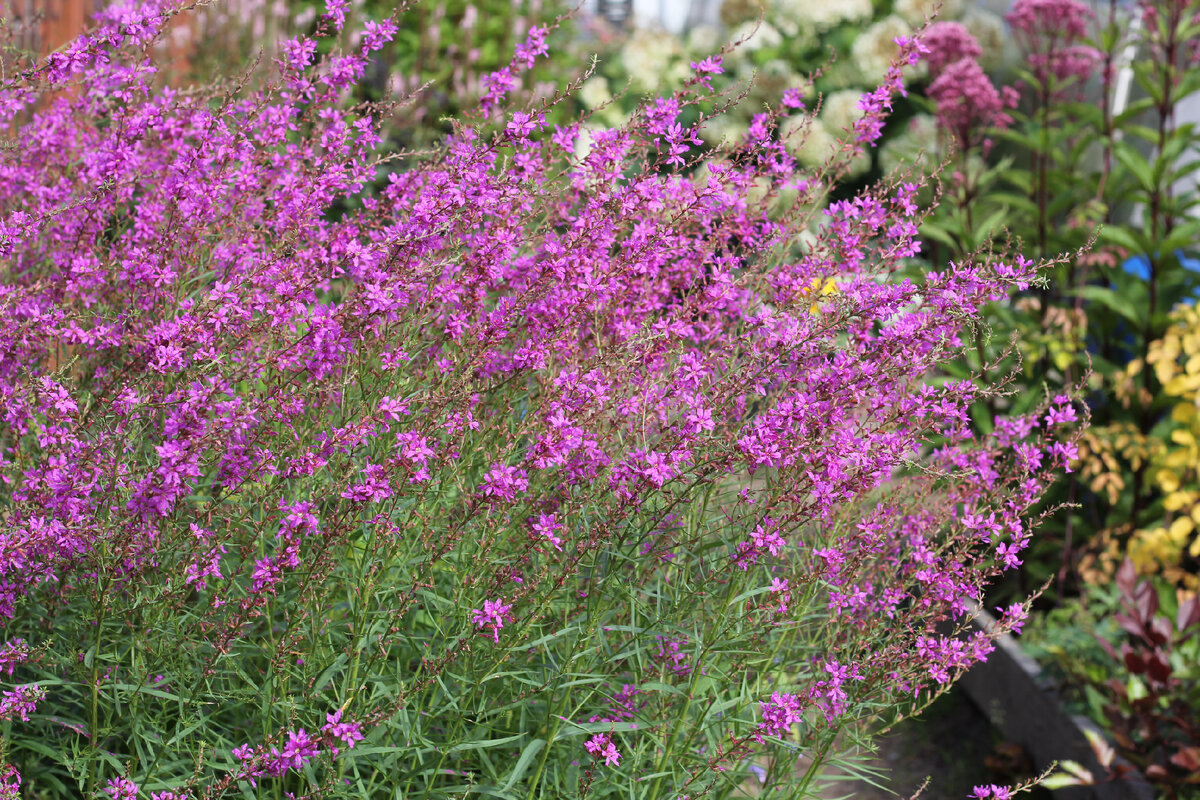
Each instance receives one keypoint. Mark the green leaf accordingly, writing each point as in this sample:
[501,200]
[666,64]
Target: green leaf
[1136,164]
[527,756]
[485,743]
[939,234]
[1125,237]
[584,728]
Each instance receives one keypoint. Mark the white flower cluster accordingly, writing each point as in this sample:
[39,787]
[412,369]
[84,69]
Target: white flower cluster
[915,12]
[650,58]
[821,14]
[811,142]
[874,49]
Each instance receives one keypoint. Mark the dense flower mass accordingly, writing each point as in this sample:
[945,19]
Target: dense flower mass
[1051,31]
[968,103]
[458,444]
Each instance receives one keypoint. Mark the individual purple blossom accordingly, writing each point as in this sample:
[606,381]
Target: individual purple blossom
[793,98]
[1014,616]
[297,751]
[1062,412]
[670,654]
[522,124]
[779,586]
[266,575]
[705,69]
[492,616]
[376,34]
[12,654]
[335,11]
[298,52]
[350,733]
[121,789]
[991,791]
[10,783]
[373,489]
[547,527]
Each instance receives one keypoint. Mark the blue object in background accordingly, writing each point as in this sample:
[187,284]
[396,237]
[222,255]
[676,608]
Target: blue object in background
[1139,267]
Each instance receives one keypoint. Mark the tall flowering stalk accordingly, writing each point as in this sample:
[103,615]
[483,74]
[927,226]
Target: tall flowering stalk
[545,470]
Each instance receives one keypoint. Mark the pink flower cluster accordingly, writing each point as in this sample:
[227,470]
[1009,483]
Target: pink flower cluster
[779,714]
[1051,31]
[968,103]
[601,746]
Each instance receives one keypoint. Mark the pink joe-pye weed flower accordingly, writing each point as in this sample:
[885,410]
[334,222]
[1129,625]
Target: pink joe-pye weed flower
[949,42]
[1051,32]
[968,103]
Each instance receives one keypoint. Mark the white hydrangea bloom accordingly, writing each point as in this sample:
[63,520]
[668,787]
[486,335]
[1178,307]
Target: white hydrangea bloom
[807,139]
[766,36]
[915,12]
[988,30]
[704,39]
[723,128]
[813,144]
[839,110]
[820,15]
[586,140]
[595,92]
[646,57]
[874,49]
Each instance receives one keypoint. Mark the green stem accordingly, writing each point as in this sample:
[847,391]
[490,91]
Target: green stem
[94,730]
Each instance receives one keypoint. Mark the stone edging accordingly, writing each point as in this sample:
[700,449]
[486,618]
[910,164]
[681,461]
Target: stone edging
[1021,702]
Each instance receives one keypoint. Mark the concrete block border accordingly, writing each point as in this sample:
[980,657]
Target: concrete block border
[1020,701]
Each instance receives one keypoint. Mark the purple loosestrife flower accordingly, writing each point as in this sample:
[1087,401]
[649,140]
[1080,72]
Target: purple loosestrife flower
[491,617]
[20,702]
[10,783]
[121,789]
[350,733]
[233,361]
[12,654]
[779,714]
[601,746]
[503,482]
[298,750]
[547,527]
